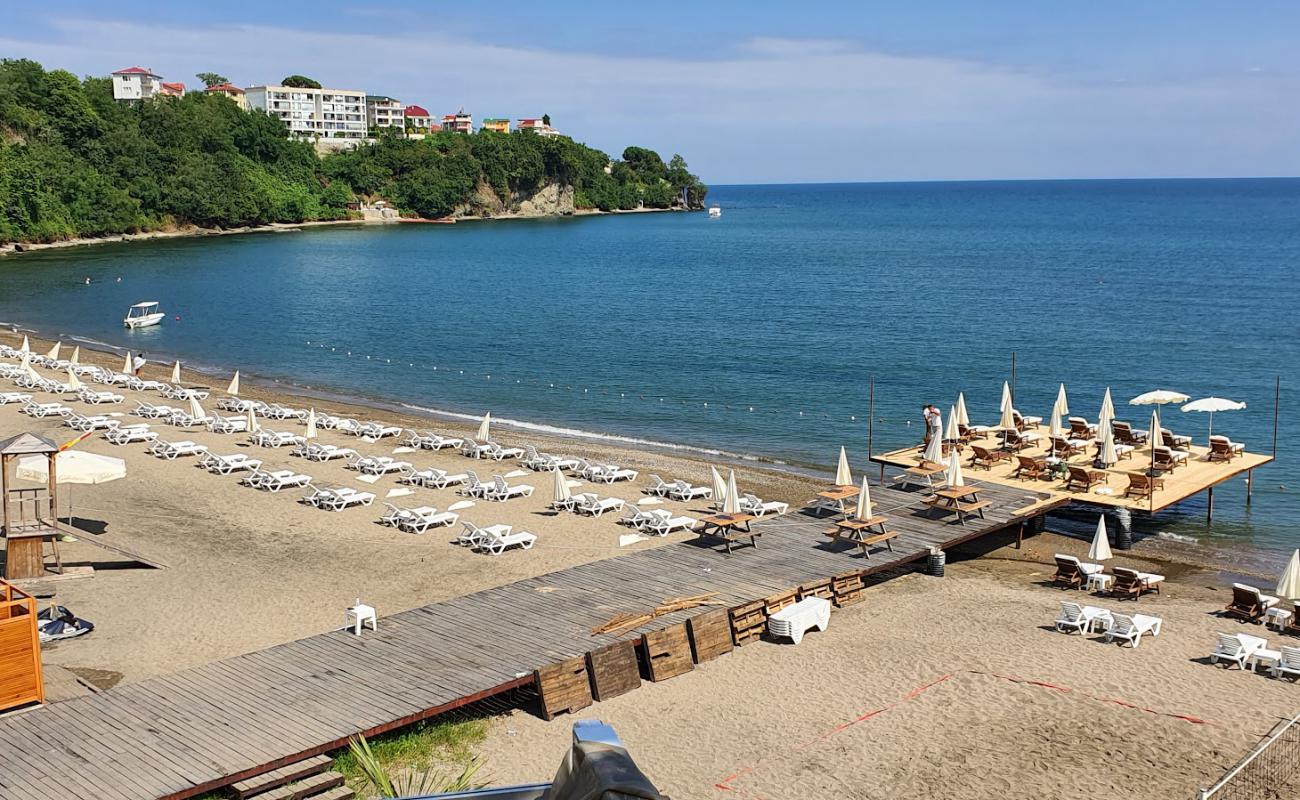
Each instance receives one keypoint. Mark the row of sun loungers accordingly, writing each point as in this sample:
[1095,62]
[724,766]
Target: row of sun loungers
[1123,582]
[1117,627]
[495,539]
[1249,652]
[416,520]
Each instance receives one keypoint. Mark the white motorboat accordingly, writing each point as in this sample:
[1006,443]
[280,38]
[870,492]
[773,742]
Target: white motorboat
[142,315]
[715,212]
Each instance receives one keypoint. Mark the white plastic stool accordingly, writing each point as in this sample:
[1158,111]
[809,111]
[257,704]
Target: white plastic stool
[357,617]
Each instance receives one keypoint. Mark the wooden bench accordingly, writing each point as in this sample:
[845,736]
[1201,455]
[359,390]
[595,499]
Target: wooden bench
[879,538]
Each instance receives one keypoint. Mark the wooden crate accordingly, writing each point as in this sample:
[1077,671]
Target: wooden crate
[748,622]
[21,681]
[777,602]
[563,686]
[710,635]
[847,588]
[820,589]
[613,670]
[668,652]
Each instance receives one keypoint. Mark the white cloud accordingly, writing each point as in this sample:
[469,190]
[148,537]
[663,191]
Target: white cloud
[770,109]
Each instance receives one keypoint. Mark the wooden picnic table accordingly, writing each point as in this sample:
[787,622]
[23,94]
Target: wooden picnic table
[834,497]
[857,529]
[730,528]
[961,500]
[925,471]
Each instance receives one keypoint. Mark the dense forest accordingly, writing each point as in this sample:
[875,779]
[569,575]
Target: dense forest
[74,162]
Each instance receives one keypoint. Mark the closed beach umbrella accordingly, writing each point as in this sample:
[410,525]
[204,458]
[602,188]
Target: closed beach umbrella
[562,493]
[1005,405]
[1062,402]
[196,410]
[1107,407]
[933,452]
[1158,397]
[864,501]
[1008,420]
[962,418]
[1288,586]
[732,504]
[74,384]
[233,388]
[485,428]
[1054,429]
[1106,437]
[311,424]
[1154,438]
[26,366]
[1100,550]
[1213,404]
[126,363]
[76,355]
[719,487]
[952,434]
[953,475]
[251,418]
[53,355]
[843,477]
[176,372]
[26,347]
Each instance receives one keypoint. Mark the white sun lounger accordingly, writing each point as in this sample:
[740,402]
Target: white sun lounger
[752,505]
[174,450]
[339,498]
[496,544]
[795,620]
[1239,649]
[225,465]
[471,535]
[377,465]
[637,517]
[421,519]
[323,452]
[1075,617]
[663,523]
[1129,629]
[658,487]
[472,449]
[129,434]
[183,419]
[96,398]
[681,490]
[595,506]
[151,411]
[14,397]
[284,479]
[228,424]
[502,490]
[500,453]
[608,473]
[81,422]
[270,438]
[473,487]
[43,410]
[377,430]
[432,478]
[1288,662]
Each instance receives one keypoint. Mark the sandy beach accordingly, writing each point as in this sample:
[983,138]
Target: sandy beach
[954,687]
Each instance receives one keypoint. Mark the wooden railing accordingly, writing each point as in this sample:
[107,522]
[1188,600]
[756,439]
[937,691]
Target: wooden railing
[29,507]
[20,649]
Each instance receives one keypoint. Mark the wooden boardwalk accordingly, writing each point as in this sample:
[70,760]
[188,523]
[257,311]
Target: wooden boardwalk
[180,734]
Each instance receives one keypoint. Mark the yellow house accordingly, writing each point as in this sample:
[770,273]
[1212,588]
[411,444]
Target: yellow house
[496,124]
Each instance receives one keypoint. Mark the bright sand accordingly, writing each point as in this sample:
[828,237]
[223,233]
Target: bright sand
[247,569]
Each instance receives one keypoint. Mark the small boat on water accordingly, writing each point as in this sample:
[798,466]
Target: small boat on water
[715,212]
[142,315]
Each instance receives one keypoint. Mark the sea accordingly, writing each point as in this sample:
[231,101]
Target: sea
[803,319]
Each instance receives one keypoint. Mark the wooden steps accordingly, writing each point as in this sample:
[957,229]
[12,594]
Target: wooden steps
[315,787]
[267,781]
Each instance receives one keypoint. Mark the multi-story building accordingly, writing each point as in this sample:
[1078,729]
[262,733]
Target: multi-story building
[384,112]
[313,113]
[418,119]
[496,124]
[171,89]
[233,92]
[537,126]
[135,83]
[460,122]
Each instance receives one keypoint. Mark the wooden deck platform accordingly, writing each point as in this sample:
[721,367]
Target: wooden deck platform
[1196,476]
[181,734]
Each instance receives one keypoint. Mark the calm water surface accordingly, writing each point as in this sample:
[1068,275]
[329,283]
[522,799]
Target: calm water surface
[756,333]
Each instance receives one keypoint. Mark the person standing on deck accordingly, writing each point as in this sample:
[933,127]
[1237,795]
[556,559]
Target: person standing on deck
[138,363]
[932,422]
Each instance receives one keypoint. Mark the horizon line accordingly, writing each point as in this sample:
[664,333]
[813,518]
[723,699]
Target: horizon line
[1011,180]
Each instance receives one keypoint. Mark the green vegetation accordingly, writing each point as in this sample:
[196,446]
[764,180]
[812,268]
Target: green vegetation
[300,82]
[75,163]
[212,78]
[412,758]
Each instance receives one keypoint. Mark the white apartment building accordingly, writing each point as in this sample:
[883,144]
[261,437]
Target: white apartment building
[384,112]
[135,83]
[313,113]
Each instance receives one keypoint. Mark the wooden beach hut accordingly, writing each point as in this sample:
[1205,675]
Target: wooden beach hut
[29,515]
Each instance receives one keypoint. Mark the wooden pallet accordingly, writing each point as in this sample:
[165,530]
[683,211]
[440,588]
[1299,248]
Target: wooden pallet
[710,635]
[613,670]
[776,602]
[563,686]
[847,589]
[821,588]
[668,652]
[748,622]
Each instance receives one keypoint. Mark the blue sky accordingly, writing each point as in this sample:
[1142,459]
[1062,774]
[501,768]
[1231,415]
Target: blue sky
[766,91]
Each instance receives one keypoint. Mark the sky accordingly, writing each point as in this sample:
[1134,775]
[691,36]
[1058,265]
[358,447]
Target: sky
[767,92]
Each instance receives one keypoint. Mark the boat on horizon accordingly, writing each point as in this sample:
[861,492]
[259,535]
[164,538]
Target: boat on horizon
[715,212]
[143,315]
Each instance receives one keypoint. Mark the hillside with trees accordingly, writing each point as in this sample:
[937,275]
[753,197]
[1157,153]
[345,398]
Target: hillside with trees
[76,163]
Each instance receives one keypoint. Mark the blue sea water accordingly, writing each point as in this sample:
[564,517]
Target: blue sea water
[757,333]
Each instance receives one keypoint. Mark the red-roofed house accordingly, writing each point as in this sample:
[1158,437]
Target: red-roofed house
[460,122]
[135,83]
[171,89]
[418,118]
[232,91]
[537,126]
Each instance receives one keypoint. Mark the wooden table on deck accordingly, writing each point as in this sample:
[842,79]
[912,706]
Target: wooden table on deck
[855,529]
[729,528]
[926,471]
[834,497]
[961,500]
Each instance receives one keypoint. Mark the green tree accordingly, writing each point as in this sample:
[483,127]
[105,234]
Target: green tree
[300,82]
[212,78]
[546,120]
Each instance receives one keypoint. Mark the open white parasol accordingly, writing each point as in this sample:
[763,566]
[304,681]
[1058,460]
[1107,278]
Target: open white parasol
[1158,397]
[1213,404]
[72,467]
[1100,549]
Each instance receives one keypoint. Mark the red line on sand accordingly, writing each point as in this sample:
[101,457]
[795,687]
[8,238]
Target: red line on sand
[725,783]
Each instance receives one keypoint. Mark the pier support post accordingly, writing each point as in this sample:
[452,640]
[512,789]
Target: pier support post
[1124,530]
[882,473]
[1209,505]
[936,563]
[1250,484]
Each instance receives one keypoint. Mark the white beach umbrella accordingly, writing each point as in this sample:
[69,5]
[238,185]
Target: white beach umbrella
[561,493]
[1054,428]
[1007,422]
[962,418]
[485,428]
[1062,402]
[74,383]
[1288,586]
[53,355]
[26,366]
[233,388]
[843,477]
[953,475]
[864,501]
[196,410]
[1100,550]
[176,372]
[1006,397]
[26,346]
[72,467]
[1213,404]
[76,355]
[732,504]
[311,424]
[1154,438]
[126,363]
[719,487]
[252,425]
[1107,407]
[1158,397]
[952,434]
[933,452]
[1106,436]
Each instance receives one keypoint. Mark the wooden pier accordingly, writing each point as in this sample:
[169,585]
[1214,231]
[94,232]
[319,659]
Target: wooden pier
[182,734]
